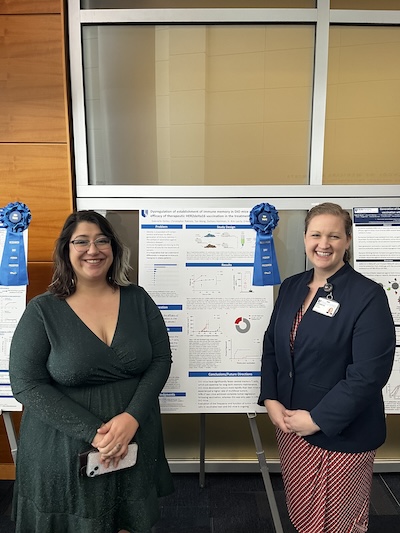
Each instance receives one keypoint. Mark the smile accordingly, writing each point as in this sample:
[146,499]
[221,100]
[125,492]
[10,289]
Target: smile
[323,254]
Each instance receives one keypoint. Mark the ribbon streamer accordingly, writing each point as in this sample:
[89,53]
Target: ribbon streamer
[15,218]
[264,218]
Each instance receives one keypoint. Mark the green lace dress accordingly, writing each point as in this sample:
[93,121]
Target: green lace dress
[70,382]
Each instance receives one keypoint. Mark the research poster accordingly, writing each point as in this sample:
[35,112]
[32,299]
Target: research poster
[12,305]
[197,265]
[376,248]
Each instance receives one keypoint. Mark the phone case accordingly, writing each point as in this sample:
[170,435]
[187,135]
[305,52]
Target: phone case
[90,465]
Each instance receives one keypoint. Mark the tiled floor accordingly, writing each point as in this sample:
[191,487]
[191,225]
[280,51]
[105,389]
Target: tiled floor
[237,503]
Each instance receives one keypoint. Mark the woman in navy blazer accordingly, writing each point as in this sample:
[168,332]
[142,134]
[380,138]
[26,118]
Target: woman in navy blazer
[328,352]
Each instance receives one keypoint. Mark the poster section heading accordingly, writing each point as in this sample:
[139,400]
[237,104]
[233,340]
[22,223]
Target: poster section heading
[197,265]
[376,250]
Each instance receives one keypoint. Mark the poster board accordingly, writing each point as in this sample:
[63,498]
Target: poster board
[376,247]
[12,305]
[197,265]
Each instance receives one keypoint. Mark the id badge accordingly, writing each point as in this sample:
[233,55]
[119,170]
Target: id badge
[327,307]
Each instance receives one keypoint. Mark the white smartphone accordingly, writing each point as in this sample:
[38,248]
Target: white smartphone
[92,467]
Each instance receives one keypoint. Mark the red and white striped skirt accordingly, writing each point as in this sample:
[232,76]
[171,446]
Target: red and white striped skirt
[326,492]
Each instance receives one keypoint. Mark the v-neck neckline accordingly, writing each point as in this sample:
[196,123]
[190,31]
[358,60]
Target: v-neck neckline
[91,331]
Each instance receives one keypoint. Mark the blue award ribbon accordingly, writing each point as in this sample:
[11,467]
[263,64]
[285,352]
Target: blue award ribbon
[264,218]
[15,218]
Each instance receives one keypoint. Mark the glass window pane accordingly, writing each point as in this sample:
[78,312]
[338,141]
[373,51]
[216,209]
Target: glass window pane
[198,105]
[182,4]
[363,106]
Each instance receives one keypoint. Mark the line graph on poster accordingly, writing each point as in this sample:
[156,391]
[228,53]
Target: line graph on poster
[241,354]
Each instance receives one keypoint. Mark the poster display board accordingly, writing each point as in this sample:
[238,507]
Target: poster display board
[376,248]
[12,305]
[197,265]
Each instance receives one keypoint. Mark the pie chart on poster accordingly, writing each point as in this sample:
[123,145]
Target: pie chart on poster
[242,325]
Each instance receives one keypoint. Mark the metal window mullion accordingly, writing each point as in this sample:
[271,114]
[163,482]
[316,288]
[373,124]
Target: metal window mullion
[236,191]
[198,15]
[349,16]
[319,93]
[77,93]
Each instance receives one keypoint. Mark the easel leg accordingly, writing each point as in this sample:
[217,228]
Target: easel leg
[265,472]
[8,422]
[202,472]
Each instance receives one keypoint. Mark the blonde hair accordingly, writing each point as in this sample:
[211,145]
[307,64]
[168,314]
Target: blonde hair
[329,208]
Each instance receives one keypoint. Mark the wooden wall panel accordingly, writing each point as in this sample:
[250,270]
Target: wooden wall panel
[18,7]
[39,275]
[32,79]
[39,176]
[35,159]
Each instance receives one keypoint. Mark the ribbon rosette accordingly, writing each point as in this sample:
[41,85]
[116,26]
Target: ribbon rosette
[15,218]
[264,218]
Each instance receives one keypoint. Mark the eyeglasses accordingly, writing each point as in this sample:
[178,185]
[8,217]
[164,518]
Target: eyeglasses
[82,245]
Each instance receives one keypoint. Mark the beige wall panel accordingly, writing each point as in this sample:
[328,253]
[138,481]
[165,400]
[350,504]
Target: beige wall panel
[164,142]
[378,136]
[227,40]
[187,40]
[162,111]
[357,169]
[363,109]
[289,37]
[187,107]
[257,170]
[286,138]
[188,170]
[162,78]
[235,170]
[287,104]
[39,176]
[187,140]
[236,72]
[370,62]
[372,99]
[234,139]
[289,68]
[235,107]
[162,43]
[164,171]
[364,35]
[19,7]
[187,72]
[32,91]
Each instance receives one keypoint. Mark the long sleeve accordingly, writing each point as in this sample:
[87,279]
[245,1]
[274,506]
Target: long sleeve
[373,345]
[269,368]
[155,376]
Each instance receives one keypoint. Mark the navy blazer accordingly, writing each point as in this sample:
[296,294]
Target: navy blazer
[339,364]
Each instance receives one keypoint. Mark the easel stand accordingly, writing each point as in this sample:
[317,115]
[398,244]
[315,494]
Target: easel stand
[10,430]
[261,461]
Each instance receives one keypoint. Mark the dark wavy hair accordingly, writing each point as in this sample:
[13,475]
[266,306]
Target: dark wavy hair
[328,208]
[63,282]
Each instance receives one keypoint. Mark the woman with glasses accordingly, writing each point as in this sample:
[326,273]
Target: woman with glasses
[88,360]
